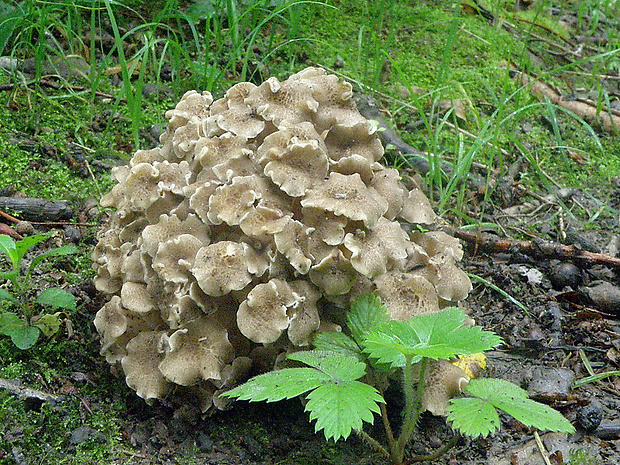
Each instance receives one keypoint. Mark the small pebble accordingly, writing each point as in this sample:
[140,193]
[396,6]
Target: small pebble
[25,228]
[86,433]
[565,274]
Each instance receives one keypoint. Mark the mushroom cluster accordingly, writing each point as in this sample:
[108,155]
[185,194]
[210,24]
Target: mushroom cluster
[257,221]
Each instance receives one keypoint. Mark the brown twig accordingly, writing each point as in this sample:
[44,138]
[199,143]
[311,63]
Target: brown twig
[536,248]
[6,216]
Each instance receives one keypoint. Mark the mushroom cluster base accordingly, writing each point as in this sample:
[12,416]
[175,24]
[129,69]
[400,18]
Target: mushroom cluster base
[254,225]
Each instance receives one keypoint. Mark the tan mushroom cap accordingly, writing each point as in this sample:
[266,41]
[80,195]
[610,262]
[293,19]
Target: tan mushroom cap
[198,351]
[136,298]
[265,313]
[406,295]
[263,221]
[289,101]
[214,151]
[380,249]
[226,266]
[435,242]
[140,187]
[276,144]
[334,275]
[172,177]
[169,227]
[356,164]
[192,104]
[348,196]
[239,118]
[358,139]
[144,353]
[305,320]
[300,246]
[176,257]
[452,284]
[388,184]
[417,208]
[327,227]
[303,165]
[184,139]
[231,202]
[443,381]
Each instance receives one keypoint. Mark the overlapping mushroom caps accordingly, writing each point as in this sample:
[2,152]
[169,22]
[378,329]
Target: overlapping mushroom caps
[260,214]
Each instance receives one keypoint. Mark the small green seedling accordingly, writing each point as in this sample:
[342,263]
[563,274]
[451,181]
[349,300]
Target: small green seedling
[25,326]
[344,378]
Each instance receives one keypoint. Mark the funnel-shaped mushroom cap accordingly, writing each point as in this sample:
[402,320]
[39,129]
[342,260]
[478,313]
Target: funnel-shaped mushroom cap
[443,381]
[372,253]
[226,266]
[144,353]
[289,101]
[192,104]
[417,208]
[239,118]
[406,295]
[305,320]
[176,257]
[265,313]
[347,196]
[197,351]
[334,275]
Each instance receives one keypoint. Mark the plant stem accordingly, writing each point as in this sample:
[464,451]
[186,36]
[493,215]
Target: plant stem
[373,443]
[413,403]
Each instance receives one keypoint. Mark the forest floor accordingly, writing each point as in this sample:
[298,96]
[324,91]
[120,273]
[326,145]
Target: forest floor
[542,165]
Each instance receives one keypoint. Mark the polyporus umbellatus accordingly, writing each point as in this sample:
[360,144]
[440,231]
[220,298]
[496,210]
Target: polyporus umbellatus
[254,225]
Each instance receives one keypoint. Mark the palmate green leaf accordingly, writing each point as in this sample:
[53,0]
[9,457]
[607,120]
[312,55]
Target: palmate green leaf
[333,341]
[339,408]
[366,313]
[435,335]
[337,400]
[471,416]
[57,298]
[22,246]
[7,245]
[278,385]
[337,366]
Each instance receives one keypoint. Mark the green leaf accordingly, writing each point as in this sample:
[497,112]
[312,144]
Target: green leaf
[48,324]
[277,385]
[21,247]
[341,407]
[24,337]
[335,365]
[57,298]
[366,313]
[64,250]
[4,295]
[333,341]
[436,335]
[9,322]
[7,245]
[473,418]
[337,400]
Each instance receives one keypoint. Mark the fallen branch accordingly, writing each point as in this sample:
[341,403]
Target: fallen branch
[38,209]
[536,248]
[14,386]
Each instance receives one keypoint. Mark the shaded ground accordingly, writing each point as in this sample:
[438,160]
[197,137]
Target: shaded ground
[572,324]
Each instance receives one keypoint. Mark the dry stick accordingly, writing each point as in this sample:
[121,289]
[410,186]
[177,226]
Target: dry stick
[541,448]
[536,248]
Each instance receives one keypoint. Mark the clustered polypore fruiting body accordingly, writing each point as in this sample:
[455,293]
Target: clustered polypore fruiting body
[260,214]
